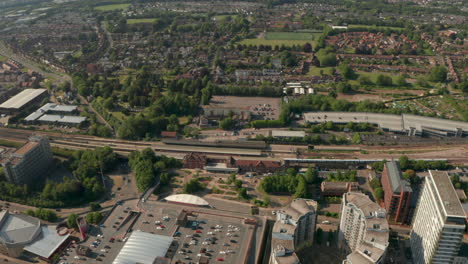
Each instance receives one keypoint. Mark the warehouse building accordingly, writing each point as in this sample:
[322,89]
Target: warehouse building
[22,100]
[143,248]
[411,125]
[51,113]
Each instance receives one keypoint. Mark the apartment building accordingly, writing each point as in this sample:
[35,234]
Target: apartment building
[397,193]
[29,162]
[363,233]
[295,224]
[438,223]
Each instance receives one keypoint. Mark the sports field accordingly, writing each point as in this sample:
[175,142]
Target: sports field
[140,20]
[112,7]
[288,36]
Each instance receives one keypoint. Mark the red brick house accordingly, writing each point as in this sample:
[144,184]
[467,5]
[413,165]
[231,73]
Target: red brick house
[169,134]
[397,193]
[195,160]
[259,166]
[338,188]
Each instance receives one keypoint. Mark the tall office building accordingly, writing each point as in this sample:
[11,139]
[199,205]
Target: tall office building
[29,162]
[397,193]
[364,231]
[295,225]
[438,223]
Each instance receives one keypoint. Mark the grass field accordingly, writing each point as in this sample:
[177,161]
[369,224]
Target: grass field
[288,36]
[112,7]
[287,43]
[315,71]
[375,27]
[140,20]
[2,58]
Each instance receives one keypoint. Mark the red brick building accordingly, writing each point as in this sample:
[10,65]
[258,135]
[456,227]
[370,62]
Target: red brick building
[195,160]
[397,193]
[259,166]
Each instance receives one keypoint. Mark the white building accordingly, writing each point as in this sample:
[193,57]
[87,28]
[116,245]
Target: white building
[364,231]
[438,223]
[295,224]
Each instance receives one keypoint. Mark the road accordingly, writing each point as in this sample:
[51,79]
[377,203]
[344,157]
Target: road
[55,77]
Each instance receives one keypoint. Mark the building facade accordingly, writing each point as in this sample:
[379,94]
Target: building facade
[438,223]
[364,230]
[295,224]
[29,162]
[397,193]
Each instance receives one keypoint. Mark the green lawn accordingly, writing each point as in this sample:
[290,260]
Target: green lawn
[287,43]
[315,71]
[112,7]
[2,58]
[289,36]
[141,20]
[119,115]
[375,27]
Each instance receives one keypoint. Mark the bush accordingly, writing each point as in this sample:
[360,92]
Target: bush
[94,206]
[94,217]
[71,221]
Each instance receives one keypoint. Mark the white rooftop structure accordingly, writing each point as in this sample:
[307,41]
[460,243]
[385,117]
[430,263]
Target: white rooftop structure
[21,99]
[143,248]
[47,243]
[62,119]
[18,228]
[407,123]
[187,199]
[48,108]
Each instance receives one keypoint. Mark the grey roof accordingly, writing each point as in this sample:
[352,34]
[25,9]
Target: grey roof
[396,182]
[50,107]
[62,119]
[446,193]
[22,98]
[18,228]
[143,248]
[47,243]
[391,122]
[287,133]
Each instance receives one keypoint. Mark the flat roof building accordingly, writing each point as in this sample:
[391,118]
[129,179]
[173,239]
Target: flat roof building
[405,123]
[439,221]
[338,188]
[22,99]
[287,134]
[397,192]
[29,162]
[363,233]
[55,113]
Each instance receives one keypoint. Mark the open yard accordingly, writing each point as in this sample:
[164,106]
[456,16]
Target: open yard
[140,20]
[375,27]
[112,7]
[289,36]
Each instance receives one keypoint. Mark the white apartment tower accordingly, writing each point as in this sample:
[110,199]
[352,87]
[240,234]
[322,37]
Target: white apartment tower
[438,223]
[364,231]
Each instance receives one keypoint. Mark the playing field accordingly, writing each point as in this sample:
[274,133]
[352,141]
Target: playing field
[112,7]
[289,36]
[375,27]
[140,20]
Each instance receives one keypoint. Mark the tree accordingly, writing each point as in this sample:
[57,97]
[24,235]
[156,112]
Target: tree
[357,138]
[311,175]
[327,60]
[346,71]
[404,162]
[364,80]
[379,193]
[401,81]
[71,221]
[94,206]
[238,184]
[94,217]
[193,186]
[227,123]
[301,188]
[384,80]
[307,47]
[438,74]
[319,236]
[242,193]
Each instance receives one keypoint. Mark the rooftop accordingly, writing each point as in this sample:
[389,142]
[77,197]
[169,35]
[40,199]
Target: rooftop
[287,133]
[18,228]
[446,193]
[48,108]
[26,148]
[396,182]
[47,243]
[143,248]
[187,199]
[63,119]
[22,98]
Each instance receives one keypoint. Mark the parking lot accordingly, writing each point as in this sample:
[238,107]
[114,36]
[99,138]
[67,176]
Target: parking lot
[216,237]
